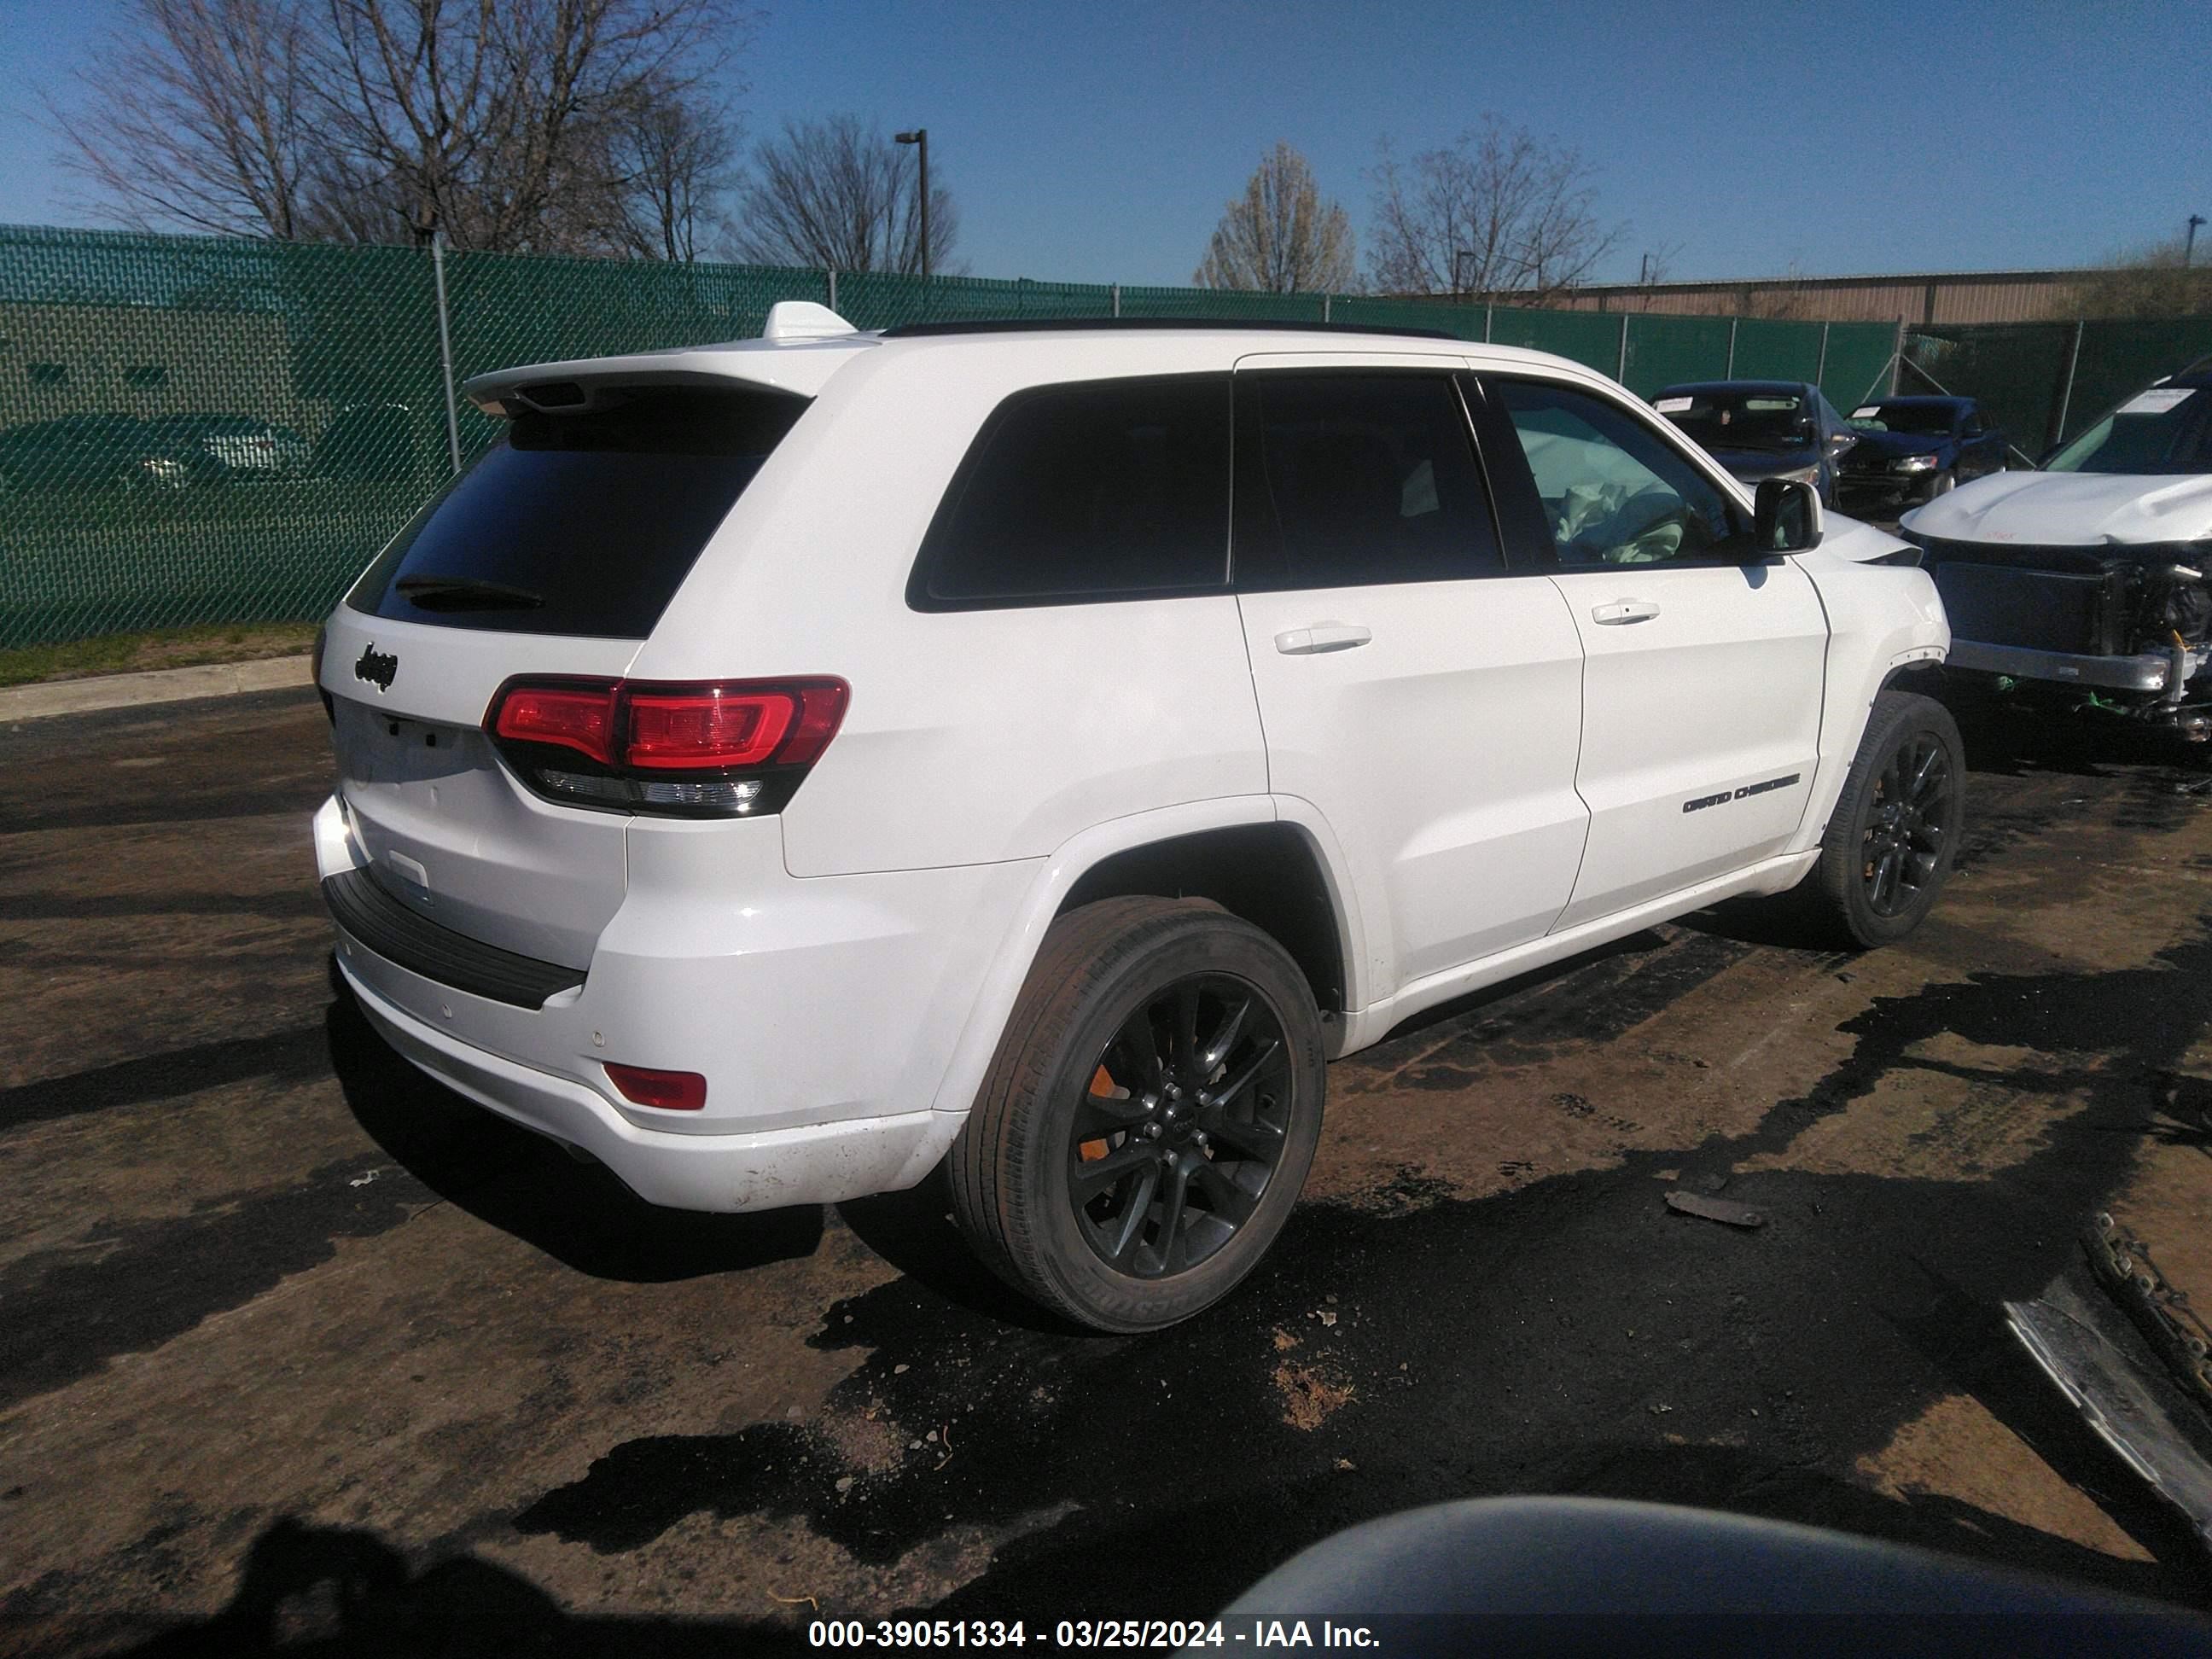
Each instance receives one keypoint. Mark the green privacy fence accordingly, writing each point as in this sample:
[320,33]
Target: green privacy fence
[196,429]
[2048,382]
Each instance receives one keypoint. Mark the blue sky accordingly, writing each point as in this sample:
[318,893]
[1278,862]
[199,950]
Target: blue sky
[1093,143]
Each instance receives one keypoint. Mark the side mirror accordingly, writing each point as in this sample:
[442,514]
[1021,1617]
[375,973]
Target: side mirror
[1788,517]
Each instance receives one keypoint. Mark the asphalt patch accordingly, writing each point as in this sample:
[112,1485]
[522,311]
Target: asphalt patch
[1568,1336]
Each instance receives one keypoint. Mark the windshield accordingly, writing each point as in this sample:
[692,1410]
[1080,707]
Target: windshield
[1921,420]
[2166,429]
[1741,420]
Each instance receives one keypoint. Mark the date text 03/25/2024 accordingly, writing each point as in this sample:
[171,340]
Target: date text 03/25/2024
[1171,1634]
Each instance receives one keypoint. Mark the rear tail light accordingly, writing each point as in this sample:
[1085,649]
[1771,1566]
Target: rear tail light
[713,749]
[673,1091]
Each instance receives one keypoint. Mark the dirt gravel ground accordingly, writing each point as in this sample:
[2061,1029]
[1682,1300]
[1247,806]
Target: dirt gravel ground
[293,1344]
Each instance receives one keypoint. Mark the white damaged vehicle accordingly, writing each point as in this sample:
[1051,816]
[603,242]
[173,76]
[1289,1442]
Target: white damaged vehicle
[777,769]
[2091,579]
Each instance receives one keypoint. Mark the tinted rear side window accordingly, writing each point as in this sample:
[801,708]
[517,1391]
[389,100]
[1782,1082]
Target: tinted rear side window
[1352,479]
[579,524]
[1100,490]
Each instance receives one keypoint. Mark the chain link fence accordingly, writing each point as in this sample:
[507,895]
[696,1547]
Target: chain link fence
[205,430]
[2047,383]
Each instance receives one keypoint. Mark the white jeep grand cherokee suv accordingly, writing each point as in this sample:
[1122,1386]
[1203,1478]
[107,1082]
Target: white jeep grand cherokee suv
[777,769]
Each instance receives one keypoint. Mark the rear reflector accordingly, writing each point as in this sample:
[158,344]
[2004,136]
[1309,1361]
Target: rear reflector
[673,1091]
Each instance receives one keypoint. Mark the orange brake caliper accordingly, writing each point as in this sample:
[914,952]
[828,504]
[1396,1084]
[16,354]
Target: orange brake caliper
[1102,1083]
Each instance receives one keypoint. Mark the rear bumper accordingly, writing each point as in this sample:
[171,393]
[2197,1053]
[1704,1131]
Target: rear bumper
[823,1012]
[2148,672]
[826,1164]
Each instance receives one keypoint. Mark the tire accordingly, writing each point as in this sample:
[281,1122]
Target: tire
[1862,897]
[1942,484]
[1110,983]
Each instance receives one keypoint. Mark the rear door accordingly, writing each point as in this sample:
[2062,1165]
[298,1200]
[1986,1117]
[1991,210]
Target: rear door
[554,554]
[1703,662]
[1418,689]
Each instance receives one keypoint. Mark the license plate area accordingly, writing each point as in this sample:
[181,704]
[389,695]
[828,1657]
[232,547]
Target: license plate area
[376,748]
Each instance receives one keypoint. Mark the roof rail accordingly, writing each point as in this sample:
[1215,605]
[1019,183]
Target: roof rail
[1139,325]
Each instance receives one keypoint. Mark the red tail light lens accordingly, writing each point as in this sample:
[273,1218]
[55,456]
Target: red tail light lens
[671,1091]
[580,717]
[710,727]
[713,749]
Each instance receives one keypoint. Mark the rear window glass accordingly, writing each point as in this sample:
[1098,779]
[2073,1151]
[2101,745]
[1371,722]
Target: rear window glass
[579,524]
[1094,490]
[1776,421]
[1920,419]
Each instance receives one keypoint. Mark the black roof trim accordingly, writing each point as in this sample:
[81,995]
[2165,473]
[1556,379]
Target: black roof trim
[1139,325]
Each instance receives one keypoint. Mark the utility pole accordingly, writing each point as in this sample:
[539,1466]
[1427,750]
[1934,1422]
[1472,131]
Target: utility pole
[2189,247]
[920,139]
[445,347]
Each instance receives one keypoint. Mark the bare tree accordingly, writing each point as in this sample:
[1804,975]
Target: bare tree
[838,194]
[1497,211]
[202,114]
[571,125]
[673,162]
[1656,268]
[1279,236]
[2146,282]
[494,119]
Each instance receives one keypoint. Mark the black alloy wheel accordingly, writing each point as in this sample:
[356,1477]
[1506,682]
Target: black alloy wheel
[1890,842]
[1909,830]
[1151,1114]
[1182,1123]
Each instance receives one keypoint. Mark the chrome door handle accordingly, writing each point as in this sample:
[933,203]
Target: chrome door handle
[1627,611]
[1321,637]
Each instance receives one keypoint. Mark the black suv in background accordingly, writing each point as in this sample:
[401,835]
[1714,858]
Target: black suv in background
[1761,430]
[1913,449]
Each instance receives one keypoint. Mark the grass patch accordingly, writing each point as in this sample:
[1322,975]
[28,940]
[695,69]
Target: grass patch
[159,648]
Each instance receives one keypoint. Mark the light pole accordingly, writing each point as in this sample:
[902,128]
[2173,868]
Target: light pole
[1460,256]
[920,139]
[2189,247]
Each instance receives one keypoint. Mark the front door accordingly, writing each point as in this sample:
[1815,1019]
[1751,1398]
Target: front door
[1703,661]
[1419,690]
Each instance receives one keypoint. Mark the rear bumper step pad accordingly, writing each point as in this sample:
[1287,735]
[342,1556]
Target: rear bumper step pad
[384,924]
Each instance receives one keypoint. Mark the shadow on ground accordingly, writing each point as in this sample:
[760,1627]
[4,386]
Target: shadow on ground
[339,1593]
[577,1213]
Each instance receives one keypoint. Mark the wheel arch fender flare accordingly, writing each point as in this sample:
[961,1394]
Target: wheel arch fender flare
[1057,875]
[1883,622]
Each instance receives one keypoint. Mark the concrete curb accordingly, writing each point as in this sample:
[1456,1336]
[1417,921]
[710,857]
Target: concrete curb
[214,680]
